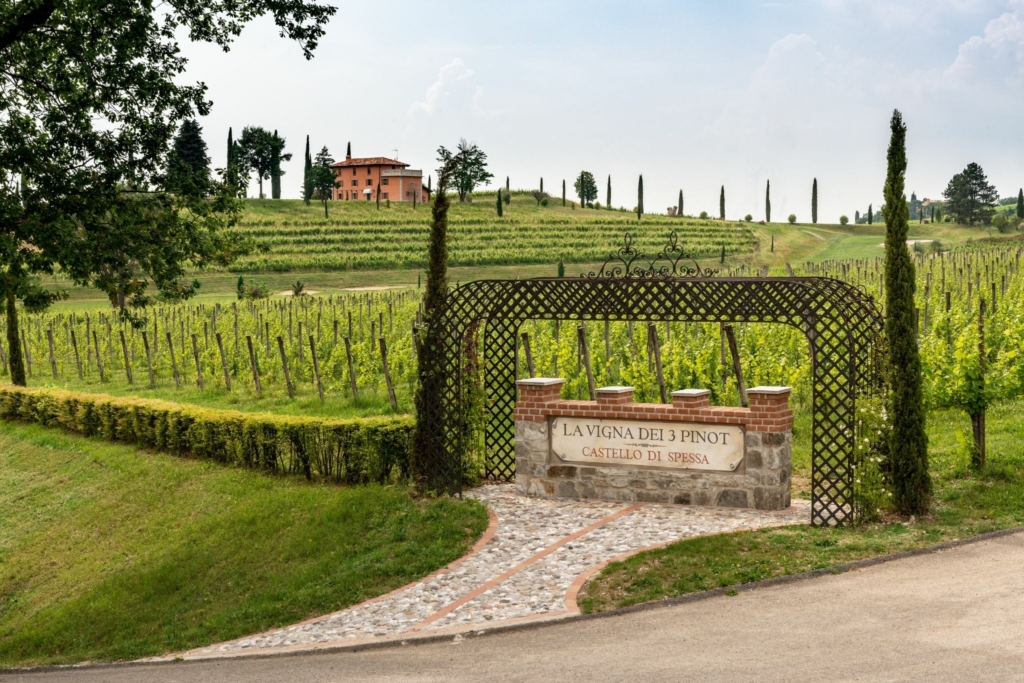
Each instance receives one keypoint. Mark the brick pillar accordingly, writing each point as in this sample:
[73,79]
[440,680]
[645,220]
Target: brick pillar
[614,396]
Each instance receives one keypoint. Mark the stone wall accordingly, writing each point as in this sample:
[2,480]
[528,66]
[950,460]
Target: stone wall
[761,482]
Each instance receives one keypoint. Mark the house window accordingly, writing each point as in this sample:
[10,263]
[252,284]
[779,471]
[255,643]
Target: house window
[384,181]
[369,181]
[385,196]
[367,197]
[367,170]
[354,183]
[354,171]
[408,194]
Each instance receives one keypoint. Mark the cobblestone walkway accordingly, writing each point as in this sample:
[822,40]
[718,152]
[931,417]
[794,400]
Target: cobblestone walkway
[530,567]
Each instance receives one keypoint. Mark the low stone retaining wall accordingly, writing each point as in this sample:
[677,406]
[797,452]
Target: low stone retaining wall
[686,452]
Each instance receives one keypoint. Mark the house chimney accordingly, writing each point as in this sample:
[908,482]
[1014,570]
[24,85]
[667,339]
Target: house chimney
[348,152]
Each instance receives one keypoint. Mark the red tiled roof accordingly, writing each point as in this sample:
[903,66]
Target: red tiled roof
[369,161]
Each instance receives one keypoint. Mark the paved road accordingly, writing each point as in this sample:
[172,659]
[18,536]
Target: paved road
[957,615]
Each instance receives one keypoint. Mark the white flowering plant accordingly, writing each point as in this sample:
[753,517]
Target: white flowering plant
[872,489]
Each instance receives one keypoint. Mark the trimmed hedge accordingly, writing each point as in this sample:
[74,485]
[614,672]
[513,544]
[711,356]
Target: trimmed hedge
[356,451]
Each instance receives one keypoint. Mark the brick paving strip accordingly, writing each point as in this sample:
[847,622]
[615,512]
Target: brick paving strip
[529,566]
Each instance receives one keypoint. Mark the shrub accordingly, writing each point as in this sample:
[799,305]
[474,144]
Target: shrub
[358,451]
[792,218]
[748,218]
[843,220]
[704,215]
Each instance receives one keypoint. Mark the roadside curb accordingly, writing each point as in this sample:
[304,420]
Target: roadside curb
[477,632]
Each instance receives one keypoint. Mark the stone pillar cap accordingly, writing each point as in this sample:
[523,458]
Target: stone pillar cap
[540,381]
[614,390]
[692,392]
[770,390]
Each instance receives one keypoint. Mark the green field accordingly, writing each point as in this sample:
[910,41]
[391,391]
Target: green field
[110,553]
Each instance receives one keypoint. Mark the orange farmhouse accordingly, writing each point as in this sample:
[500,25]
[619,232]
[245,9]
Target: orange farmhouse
[360,179]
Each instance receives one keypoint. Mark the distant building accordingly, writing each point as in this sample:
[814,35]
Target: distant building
[358,180]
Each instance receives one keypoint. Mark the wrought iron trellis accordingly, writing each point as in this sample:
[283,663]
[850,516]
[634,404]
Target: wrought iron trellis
[842,325]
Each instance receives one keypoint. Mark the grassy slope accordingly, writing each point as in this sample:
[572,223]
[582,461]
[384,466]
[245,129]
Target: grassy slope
[966,503]
[107,553]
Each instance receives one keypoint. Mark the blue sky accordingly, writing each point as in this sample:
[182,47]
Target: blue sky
[694,95]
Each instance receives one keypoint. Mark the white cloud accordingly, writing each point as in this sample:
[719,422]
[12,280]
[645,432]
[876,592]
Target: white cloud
[998,52]
[450,75]
[898,14]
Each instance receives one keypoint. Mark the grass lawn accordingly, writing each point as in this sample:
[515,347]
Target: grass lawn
[108,553]
[965,504]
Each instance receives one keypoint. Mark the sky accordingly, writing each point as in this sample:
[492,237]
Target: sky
[693,95]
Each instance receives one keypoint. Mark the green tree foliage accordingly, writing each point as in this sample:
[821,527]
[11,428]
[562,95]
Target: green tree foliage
[431,371]
[188,164]
[275,168]
[908,443]
[871,215]
[814,201]
[307,184]
[470,171]
[640,197]
[608,194]
[768,202]
[586,188]
[260,152]
[498,203]
[1020,204]
[563,192]
[231,172]
[680,210]
[969,197]
[843,220]
[91,97]
[322,177]
[721,204]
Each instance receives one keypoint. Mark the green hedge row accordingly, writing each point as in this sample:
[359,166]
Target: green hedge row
[356,451]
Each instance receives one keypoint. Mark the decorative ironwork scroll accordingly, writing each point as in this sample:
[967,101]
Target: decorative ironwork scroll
[672,261]
[842,325]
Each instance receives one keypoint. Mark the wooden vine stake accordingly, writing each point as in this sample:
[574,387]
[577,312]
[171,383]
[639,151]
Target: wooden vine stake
[149,359]
[284,364]
[351,369]
[529,354]
[223,361]
[195,355]
[99,357]
[78,357]
[655,350]
[174,360]
[316,368]
[581,335]
[730,335]
[387,374]
[255,368]
[978,420]
[53,357]
[127,363]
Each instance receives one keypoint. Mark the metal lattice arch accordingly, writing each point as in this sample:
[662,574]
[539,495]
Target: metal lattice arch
[842,325]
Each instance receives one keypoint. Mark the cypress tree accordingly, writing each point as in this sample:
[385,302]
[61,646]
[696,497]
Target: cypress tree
[908,443]
[721,204]
[680,212]
[773,242]
[871,216]
[608,194]
[348,150]
[307,180]
[1020,204]
[229,166]
[768,202]
[499,203]
[563,192]
[721,259]
[275,173]
[378,195]
[542,184]
[507,186]
[640,197]
[814,201]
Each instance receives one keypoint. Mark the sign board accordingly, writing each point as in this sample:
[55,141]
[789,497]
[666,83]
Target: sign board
[647,443]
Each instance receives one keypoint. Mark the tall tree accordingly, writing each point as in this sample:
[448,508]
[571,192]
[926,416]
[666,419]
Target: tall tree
[507,186]
[471,169]
[871,215]
[908,443]
[188,163]
[856,216]
[275,167]
[231,172]
[307,183]
[680,210]
[563,192]
[348,150]
[608,194]
[498,204]
[768,202]
[814,201]
[640,197]
[542,184]
[586,188]
[92,94]
[431,371]
[1020,204]
[721,204]
[256,153]
[969,197]
[322,177]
